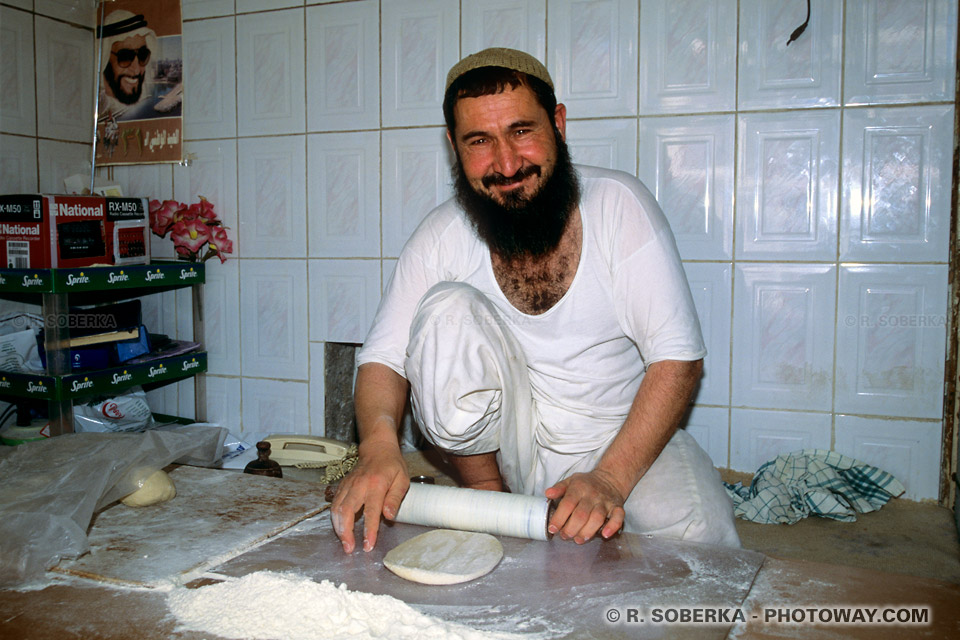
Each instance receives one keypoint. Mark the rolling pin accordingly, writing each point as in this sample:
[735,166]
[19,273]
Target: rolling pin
[495,512]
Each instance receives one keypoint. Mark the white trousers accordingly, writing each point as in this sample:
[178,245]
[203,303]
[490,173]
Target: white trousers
[471,394]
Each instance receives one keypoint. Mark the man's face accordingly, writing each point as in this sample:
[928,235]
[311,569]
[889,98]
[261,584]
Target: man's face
[506,144]
[513,176]
[126,69]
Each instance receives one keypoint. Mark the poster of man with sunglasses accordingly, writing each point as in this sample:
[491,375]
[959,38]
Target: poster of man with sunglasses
[139,108]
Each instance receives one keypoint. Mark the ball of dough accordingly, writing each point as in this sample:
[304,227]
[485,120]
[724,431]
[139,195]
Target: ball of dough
[155,489]
[445,556]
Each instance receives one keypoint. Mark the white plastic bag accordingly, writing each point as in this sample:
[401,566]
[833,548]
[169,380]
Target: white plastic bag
[127,411]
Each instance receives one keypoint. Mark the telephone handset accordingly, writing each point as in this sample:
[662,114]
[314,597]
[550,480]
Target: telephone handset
[292,449]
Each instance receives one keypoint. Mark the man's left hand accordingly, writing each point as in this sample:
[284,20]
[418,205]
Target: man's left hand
[588,501]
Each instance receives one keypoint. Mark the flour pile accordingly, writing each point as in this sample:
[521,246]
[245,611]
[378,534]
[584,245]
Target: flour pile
[278,606]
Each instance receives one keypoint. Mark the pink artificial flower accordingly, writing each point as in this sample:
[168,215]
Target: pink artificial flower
[220,242]
[163,215]
[189,236]
[203,210]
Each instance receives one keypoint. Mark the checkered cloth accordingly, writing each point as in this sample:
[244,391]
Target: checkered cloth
[812,481]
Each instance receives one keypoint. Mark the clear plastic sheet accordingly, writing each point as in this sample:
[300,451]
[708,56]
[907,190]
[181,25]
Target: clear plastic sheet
[50,489]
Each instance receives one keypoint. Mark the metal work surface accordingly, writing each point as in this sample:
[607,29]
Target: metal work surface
[552,589]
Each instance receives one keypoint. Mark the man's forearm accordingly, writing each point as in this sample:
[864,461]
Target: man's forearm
[657,409]
[380,397]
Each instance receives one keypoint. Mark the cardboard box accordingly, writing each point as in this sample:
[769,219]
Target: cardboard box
[46,231]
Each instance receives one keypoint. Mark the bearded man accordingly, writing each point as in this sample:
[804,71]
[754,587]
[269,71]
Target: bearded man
[543,325]
[128,56]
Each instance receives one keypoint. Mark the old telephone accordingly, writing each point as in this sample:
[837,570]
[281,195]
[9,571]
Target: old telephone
[303,450]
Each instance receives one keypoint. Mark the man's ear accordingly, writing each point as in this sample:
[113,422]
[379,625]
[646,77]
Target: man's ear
[560,120]
[450,140]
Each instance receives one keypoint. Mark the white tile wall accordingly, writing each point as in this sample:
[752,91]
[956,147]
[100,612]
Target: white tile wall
[909,449]
[343,81]
[18,164]
[273,318]
[760,436]
[787,194]
[896,204]
[709,426]
[344,194]
[687,161]
[345,298]
[611,144]
[688,52]
[900,51]
[701,98]
[270,71]
[804,74]
[78,12]
[18,105]
[593,61]
[891,337]
[64,63]
[273,197]
[210,59]
[418,45]
[515,24]
[783,336]
[710,284]
[416,178]
[275,406]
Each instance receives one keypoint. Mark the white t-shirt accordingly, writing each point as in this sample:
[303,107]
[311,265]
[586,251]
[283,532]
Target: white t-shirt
[629,305]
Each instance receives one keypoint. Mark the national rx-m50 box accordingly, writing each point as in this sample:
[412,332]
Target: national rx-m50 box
[44,231]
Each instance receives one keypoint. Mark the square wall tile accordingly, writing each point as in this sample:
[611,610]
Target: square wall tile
[757,437]
[593,56]
[159,312]
[64,89]
[318,398]
[891,340]
[20,4]
[210,69]
[688,52]
[151,181]
[687,162]
[908,449]
[18,103]
[248,6]
[59,160]
[18,164]
[273,197]
[806,73]
[787,193]
[897,165]
[164,400]
[221,305]
[419,45]
[416,178]
[270,73]
[273,318]
[343,194]
[710,427]
[344,298]
[275,406]
[515,24]
[223,402]
[611,144]
[193,9]
[211,172]
[902,51]
[343,82]
[711,287]
[78,12]
[783,317]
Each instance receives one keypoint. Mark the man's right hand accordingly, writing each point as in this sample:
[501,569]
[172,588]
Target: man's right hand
[376,486]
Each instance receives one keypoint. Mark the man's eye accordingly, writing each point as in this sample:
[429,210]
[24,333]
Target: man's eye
[478,141]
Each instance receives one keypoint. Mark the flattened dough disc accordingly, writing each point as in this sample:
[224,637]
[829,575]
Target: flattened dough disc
[445,556]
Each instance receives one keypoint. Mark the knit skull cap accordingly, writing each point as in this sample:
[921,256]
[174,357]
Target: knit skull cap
[500,57]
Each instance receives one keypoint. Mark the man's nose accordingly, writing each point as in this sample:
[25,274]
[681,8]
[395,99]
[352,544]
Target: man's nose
[508,160]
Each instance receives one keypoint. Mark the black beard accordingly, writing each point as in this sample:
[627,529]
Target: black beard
[523,226]
[118,92]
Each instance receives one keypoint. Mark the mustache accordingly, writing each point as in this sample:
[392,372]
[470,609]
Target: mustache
[499,179]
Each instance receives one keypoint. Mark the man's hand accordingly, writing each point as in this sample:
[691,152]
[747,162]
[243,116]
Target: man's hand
[376,485]
[588,501]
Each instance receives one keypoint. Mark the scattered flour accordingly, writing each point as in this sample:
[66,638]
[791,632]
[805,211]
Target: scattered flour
[282,606]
